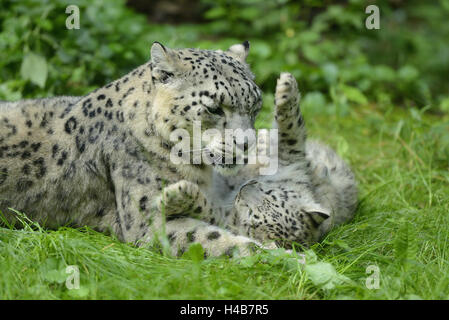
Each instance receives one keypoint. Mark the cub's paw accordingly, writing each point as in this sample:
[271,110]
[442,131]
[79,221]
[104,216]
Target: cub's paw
[287,95]
[179,198]
[242,246]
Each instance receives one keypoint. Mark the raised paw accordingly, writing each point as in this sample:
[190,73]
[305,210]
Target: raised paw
[289,120]
[286,96]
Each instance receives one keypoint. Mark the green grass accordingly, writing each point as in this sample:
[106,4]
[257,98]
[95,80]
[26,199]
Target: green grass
[402,226]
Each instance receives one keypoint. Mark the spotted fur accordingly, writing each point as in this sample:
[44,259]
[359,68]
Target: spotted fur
[103,160]
[313,190]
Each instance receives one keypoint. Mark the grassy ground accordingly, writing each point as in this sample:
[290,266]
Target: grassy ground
[402,227]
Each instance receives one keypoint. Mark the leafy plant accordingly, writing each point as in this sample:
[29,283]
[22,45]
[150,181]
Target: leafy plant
[324,44]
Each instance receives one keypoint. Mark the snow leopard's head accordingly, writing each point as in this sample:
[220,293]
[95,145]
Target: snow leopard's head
[279,209]
[208,92]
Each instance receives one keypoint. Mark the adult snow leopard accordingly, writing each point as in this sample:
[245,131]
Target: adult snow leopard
[100,160]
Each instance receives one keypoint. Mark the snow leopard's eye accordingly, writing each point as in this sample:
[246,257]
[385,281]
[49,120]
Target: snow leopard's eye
[218,111]
[165,76]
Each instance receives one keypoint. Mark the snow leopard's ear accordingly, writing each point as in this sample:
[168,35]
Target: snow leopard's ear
[239,51]
[164,62]
[317,215]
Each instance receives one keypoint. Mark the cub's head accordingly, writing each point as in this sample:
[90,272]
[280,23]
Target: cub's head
[270,209]
[201,93]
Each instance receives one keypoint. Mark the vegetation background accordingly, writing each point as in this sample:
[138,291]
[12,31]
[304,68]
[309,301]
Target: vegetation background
[379,97]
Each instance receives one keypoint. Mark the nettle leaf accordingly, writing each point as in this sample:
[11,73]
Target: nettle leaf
[324,275]
[34,68]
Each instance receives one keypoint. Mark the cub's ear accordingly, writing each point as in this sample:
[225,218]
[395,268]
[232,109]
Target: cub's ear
[317,215]
[164,62]
[239,51]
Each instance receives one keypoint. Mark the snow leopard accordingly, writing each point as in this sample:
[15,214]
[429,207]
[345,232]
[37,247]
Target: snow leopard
[103,160]
[312,191]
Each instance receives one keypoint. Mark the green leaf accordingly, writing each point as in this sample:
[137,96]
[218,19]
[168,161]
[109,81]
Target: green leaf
[324,275]
[444,105]
[312,53]
[330,72]
[383,73]
[408,73]
[342,146]
[78,74]
[308,36]
[34,68]
[314,101]
[57,276]
[310,257]
[355,95]
[82,292]
[401,241]
[249,261]
[260,49]
[250,13]
[53,271]
[195,253]
[215,13]
[342,244]
[9,92]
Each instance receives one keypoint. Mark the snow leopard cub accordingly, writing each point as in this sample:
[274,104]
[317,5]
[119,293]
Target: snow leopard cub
[312,191]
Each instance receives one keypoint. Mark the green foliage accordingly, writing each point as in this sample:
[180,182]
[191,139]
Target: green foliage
[324,275]
[353,80]
[337,61]
[327,47]
[195,253]
[401,226]
[40,57]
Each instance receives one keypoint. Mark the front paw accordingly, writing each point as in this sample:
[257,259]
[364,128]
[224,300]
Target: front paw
[178,198]
[243,247]
[286,92]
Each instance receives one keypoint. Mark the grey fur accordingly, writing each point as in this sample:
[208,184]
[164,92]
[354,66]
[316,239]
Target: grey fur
[102,160]
[313,191]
